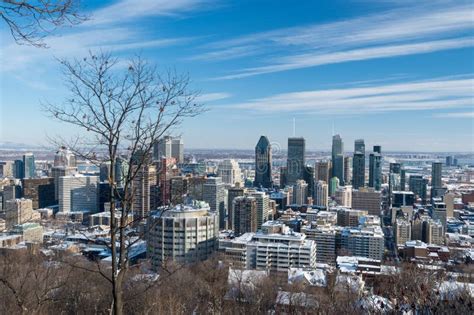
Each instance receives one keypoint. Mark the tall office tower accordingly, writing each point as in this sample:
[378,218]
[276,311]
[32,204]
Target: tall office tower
[367,199]
[347,170]
[169,147]
[40,191]
[19,169]
[417,185]
[177,149]
[322,192]
[300,192]
[403,179]
[358,164]
[232,193]
[244,209]
[56,173]
[104,169]
[162,148]
[322,171]
[19,211]
[375,168]
[283,176]
[394,179]
[165,169]
[141,189]
[436,170]
[196,187]
[64,157]
[214,195]
[308,177]
[296,160]
[333,186]
[229,171]
[6,169]
[29,165]
[263,207]
[121,170]
[344,196]
[184,234]
[338,158]
[263,163]
[449,160]
[178,189]
[78,193]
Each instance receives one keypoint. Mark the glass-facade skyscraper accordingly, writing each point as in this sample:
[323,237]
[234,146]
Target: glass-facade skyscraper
[296,160]
[375,168]
[338,158]
[358,164]
[263,163]
[29,165]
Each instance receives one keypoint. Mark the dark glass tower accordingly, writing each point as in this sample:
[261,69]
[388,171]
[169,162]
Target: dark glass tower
[338,158]
[375,168]
[358,164]
[263,163]
[296,162]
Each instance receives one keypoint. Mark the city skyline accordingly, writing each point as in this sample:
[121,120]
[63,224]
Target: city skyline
[382,71]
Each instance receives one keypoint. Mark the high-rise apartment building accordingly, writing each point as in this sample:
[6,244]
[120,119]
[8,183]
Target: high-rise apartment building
[347,170]
[244,209]
[263,206]
[344,196]
[296,160]
[232,193]
[184,234]
[300,192]
[141,189]
[263,163]
[322,194]
[19,211]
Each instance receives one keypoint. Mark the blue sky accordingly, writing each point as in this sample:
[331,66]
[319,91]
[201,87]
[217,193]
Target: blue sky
[396,73]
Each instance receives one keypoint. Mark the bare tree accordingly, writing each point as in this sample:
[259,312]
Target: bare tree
[123,111]
[30,21]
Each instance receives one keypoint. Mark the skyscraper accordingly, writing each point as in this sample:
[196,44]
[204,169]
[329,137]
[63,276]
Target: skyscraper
[263,207]
[78,193]
[347,170]
[168,147]
[19,169]
[358,164]
[64,157]
[375,168]
[263,163]
[244,209]
[321,194]
[141,184]
[300,192]
[436,170]
[323,171]
[214,195]
[418,186]
[232,193]
[394,178]
[229,171]
[29,165]
[338,158]
[296,160]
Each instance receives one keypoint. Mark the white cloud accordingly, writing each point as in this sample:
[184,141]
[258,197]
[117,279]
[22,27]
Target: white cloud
[456,115]
[411,30]
[211,97]
[425,95]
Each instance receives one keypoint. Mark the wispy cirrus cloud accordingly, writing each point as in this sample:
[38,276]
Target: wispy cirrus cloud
[109,28]
[212,97]
[424,95]
[410,30]
[469,115]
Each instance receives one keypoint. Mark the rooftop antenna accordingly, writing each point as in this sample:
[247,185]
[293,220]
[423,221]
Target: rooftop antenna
[333,127]
[294,127]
